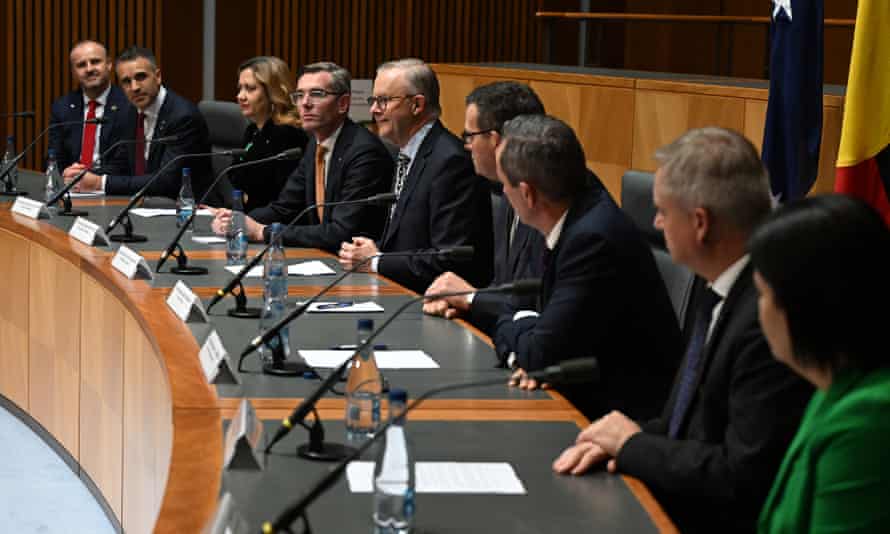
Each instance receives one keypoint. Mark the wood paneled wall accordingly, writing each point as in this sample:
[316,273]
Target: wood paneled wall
[38,35]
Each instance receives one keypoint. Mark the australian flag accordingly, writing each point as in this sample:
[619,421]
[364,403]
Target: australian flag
[793,129]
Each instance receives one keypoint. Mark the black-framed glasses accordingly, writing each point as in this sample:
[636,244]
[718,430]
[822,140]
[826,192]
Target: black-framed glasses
[383,100]
[314,95]
[467,137]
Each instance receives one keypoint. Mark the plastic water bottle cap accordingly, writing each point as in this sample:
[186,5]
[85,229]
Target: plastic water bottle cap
[10,138]
[275,227]
[398,395]
[366,324]
[236,193]
[51,153]
[186,171]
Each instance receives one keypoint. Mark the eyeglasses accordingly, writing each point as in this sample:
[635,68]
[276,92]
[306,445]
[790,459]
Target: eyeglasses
[314,95]
[468,136]
[382,101]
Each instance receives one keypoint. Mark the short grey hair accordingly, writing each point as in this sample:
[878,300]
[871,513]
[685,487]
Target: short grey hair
[421,80]
[341,79]
[719,170]
[544,152]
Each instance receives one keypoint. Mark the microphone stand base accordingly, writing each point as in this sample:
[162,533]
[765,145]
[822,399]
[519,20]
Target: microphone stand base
[245,313]
[330,452]
[189,270]
[124,238]
[13,193]
[73,213]
[285,368]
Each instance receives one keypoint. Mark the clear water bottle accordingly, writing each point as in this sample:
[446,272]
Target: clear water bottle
[274,301]
[394,475]
[12,177]
[363,389]
[185,204]
[53,177]
[236,236]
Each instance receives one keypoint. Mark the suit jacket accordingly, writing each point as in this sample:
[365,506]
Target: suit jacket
[177,116]
[263,183]
[443,204]
[601,296]
[360,166]
[835,476]
[67,141]
[744,412]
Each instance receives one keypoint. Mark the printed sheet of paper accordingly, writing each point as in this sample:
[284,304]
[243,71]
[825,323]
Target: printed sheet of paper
[386,359]
[483,478]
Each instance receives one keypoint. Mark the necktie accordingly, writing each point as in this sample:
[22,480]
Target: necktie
[694,352]
[401,173]
[139,160]
[88,146]
[320,151]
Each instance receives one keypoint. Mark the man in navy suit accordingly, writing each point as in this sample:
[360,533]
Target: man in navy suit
[441,201]
[95,98]
[343,161]
[517,246]
[156,112]
[601,292]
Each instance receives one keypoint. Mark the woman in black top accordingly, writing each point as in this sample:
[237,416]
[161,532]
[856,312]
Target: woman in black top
[264,87]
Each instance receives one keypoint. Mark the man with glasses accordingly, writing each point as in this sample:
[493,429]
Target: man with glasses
[343,161]
[517,247]
[442,203]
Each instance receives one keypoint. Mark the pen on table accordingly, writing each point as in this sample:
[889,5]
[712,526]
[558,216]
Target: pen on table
[333,305]
[353,347]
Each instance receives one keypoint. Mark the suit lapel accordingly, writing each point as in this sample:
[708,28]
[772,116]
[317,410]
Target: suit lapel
[336,164]
[76,109]
[411,180]
[112,108]
[160,130]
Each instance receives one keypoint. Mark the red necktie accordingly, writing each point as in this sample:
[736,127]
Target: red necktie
[88,146]
[139,161]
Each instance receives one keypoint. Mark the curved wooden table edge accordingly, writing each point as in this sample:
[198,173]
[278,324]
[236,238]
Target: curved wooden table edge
[197,427]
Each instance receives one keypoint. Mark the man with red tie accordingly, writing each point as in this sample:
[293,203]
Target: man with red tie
[95,98]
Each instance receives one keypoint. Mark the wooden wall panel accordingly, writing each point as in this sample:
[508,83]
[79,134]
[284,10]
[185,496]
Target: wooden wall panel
[54,346]
[147,430]
[38,38]
[454,89]
[14,319]
[101,389]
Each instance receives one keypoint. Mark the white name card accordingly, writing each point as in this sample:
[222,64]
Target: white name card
[242,438]
[130,263]
[33,209]
[87,232]
[215,361]
[185,304]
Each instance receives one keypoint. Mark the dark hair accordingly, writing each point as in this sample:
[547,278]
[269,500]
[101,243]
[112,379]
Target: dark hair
[499,102]
[543,151]
[341,80]
[827,260]
[137,52]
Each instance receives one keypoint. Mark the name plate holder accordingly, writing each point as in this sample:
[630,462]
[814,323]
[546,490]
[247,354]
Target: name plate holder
[215,361]
[242,439]
[130,263]
[186,305]
[88,232]
[227,519]
[30,208]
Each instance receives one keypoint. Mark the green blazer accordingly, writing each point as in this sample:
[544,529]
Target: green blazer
[836,475]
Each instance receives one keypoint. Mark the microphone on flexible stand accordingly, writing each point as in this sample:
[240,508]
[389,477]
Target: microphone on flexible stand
[580,370]
[293,368]
[175,249]
[316,449]
[241,310]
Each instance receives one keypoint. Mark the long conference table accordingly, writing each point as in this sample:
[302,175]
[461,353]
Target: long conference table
[102,369]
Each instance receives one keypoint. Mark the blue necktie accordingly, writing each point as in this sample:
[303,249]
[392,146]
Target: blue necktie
[694,352]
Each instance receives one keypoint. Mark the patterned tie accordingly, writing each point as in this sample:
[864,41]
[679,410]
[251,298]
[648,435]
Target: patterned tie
[401,173]
[320,151]
[139,160]
[694,352]
[88,146]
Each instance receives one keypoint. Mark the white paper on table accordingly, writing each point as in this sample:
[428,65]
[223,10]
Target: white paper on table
[492,478]
[159,212]
[86,194]
[361,307]
[208,239]
[386,359]
[309,268]
[255,272]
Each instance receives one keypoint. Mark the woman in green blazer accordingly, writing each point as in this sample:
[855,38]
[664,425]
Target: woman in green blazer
[822,266]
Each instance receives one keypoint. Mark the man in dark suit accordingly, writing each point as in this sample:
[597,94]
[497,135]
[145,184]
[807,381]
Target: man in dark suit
[157,112]
[711,456]
[517,247]
[601,292]
[343,161]
[442,203]
[95,98]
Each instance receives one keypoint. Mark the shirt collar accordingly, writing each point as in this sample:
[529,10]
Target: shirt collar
[723,284]
[331,140]
[413,145]
[556,231]
[101,99]
[155,107]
